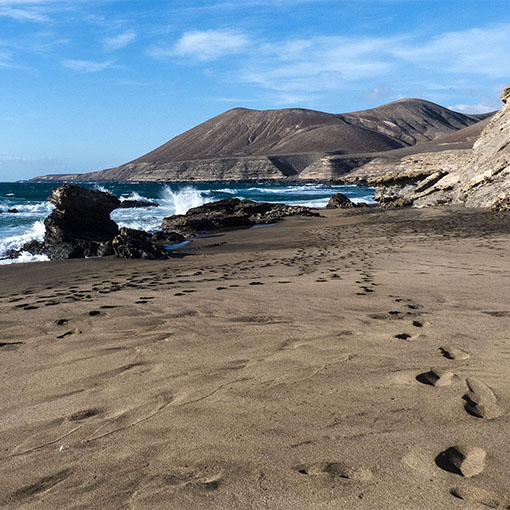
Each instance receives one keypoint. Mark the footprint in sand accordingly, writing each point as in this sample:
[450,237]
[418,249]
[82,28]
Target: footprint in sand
[42,485]
[464,460]
[454,353]
[9,346]
[483,497]
[481,400]
[69,332]
[436,377]
[335,469]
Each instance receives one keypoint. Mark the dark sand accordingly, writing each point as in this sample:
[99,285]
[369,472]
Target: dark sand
[272,368]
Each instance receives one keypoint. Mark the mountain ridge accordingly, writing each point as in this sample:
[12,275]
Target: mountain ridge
[246,144]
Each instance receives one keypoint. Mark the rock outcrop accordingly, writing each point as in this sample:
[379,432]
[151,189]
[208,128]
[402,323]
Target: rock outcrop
[80,224]
[136,244]
[340,201]
[477,178]
[230,213]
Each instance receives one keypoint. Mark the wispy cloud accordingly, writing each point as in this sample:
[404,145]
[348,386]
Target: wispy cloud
[482,50]
[23,14]
[474,108]
[204,45]
[120,41]
[87,66]
[318,63]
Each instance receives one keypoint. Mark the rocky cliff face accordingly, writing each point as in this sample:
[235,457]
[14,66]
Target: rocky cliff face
[477,178]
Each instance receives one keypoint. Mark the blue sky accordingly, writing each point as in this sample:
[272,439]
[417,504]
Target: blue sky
[90,84]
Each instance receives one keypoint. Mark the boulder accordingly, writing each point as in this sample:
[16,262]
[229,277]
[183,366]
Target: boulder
[80,224]
[230,213]
[167,237]
[13,210]
[136,244]
[340,201]
[127,204]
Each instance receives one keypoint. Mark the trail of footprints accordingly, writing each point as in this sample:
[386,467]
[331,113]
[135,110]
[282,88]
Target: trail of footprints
[480,401]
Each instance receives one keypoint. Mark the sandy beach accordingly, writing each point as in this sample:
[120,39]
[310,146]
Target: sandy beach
[285,367]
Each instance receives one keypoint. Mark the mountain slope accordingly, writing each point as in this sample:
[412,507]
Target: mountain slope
[243,144]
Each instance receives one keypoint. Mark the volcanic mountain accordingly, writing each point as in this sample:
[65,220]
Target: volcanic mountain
[243,144]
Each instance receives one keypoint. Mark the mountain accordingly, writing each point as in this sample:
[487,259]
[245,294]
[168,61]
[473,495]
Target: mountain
[243,144]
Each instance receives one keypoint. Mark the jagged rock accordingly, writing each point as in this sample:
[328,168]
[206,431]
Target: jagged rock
[505,95]
[136,244]
[468,461]
[230,213]
[340,201]
[127,204]
[167,237]
[13,210]
[80,224]
[501,204]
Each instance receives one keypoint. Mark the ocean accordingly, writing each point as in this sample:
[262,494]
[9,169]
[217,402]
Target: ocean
[30,199]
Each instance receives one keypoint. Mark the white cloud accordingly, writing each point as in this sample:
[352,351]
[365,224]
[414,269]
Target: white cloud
[473,108]
[23,14]
[318,63]
[483,51]
[120,41]
[87,66]
[205,45]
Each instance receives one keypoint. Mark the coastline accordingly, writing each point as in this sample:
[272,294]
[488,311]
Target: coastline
[233,374]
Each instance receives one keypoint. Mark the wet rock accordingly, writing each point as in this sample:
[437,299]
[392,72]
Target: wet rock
[167,237]
[13,210]
[80,224]
[230,213]
[340,201]
[136,244]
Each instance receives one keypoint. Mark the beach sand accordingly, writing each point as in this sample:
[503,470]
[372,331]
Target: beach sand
[285,367]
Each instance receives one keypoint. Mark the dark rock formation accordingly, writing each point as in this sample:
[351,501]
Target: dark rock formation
[127,204]
[340,201]
[230,213]
[136,244]
[80,224]
[13,210]
[167,237]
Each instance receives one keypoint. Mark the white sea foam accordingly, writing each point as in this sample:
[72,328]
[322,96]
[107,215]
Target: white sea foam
[40,208]
[180,201]
[134,196]
[24,257]
[16,242]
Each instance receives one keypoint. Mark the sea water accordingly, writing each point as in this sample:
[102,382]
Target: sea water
[30,199]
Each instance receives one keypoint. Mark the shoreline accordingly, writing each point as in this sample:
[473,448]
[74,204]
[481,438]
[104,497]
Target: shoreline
[261,368]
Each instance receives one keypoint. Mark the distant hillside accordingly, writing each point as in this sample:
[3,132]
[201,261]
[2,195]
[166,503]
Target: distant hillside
[243,144]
